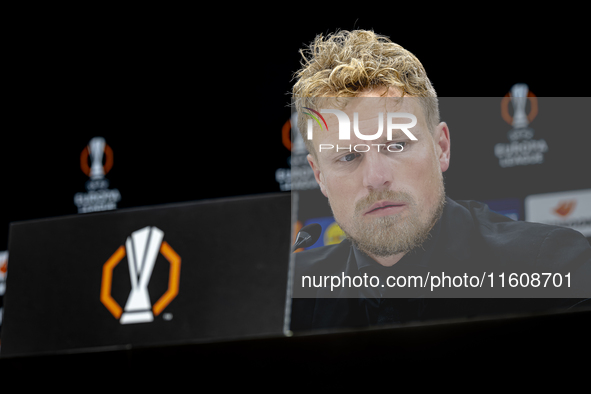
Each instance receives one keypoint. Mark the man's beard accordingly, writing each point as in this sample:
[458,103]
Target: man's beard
[393,234]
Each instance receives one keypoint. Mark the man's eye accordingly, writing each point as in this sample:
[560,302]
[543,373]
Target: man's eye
[350,157]
[397,146]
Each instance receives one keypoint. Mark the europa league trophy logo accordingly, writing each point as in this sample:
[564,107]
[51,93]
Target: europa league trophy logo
[142,249]
[519,100]
[522,148]
[98,196]
[96,146]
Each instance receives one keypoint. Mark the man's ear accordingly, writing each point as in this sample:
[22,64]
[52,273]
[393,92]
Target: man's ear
[442,145]
[317,174]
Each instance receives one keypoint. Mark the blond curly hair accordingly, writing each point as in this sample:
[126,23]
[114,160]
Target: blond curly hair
[344,63]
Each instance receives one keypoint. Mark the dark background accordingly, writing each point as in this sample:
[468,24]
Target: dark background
[192,104]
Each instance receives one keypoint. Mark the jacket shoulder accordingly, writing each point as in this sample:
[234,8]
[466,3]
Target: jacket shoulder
[540,244]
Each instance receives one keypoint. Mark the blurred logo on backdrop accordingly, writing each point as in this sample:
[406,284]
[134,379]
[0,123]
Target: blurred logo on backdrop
[142,248]
[96,160]
[522,149]
[331,232]
[300,175]
[565,208]
[3,271]
[568,209]
[510,207]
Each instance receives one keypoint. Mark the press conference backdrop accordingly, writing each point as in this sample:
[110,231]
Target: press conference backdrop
[513,153]
[102,126]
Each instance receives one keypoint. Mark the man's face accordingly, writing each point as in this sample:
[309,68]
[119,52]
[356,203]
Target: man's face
[386,201]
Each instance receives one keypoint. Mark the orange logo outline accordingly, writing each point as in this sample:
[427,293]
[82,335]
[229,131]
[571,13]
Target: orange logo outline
[505,107]
[108,160]
[286,134]
[173,280]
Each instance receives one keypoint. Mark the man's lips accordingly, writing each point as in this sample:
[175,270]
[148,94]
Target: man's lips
[385,208]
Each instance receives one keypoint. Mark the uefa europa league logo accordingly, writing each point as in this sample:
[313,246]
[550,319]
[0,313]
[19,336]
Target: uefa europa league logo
[98,196]
[142,248]
[522,148]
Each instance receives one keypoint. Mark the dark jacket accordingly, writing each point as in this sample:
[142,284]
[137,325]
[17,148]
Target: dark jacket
[468,239]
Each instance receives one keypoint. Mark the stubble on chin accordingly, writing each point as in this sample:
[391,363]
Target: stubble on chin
[393,234]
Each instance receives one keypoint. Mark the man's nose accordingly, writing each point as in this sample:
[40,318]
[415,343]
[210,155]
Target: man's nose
[377,173]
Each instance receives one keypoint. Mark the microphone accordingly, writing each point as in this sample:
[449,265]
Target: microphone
[307,236]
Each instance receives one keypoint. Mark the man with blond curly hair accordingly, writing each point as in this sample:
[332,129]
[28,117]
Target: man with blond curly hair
[386,193]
